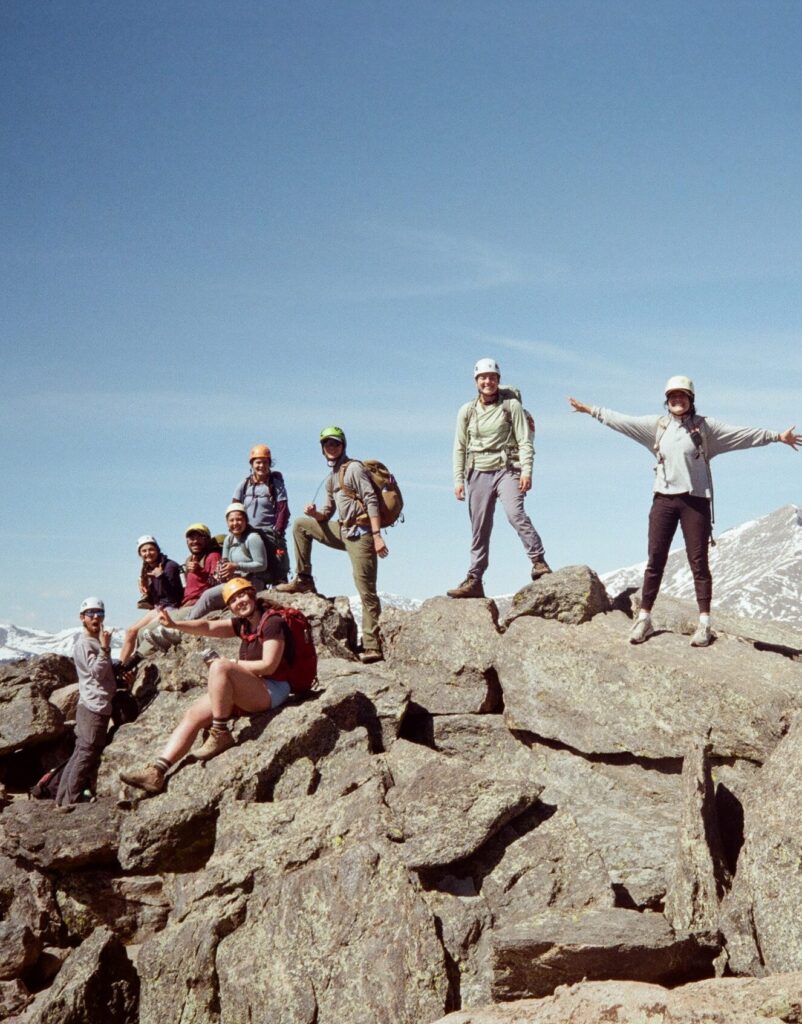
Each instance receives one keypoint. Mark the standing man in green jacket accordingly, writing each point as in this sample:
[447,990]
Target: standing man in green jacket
[493,454]
[349,492]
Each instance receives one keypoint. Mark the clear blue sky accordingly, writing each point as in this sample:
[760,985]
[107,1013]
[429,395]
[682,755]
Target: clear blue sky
[224,223]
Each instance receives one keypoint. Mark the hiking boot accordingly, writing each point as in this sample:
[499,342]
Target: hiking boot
[217,742]
[151,779]
[369,657]
[540,567]
[470,587]
[703,637]
[641,631]
[300,585]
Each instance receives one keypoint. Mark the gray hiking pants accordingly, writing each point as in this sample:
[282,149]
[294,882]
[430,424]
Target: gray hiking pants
[156,637]
[484,489]
[364,562]
[90,739]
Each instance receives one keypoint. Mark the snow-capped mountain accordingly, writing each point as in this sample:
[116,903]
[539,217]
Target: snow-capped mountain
[17,642]
[406,604]
[757,569]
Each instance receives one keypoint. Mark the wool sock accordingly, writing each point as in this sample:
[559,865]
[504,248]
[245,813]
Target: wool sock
[704,618]
[643,615]
[220,724]
[163,765]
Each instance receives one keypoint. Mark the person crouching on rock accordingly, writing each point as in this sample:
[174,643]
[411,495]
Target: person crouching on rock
[683,443]
[257,681]
[96,688]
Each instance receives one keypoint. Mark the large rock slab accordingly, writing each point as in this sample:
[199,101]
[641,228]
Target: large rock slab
[700,876]
[134,907]
[587,688]
[97,982]
[38,834]
[776,1000]
[445,652]
[28,917]
[443,810]
[678,616]
[315,928]
[762,923]
[531,958]
[629,812]
[28,718]
[572,595]
[46,673]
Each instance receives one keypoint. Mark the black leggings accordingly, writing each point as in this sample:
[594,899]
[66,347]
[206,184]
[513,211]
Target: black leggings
[693,515]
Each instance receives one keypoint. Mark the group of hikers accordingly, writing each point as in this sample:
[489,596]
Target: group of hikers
[492,460]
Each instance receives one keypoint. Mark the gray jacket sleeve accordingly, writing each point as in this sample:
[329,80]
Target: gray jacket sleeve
[723,438]
[526,451]
[642,429]
[461,444]
[255,548]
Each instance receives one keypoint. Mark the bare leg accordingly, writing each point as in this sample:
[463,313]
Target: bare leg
[229,685]
[129,644]
[198,716]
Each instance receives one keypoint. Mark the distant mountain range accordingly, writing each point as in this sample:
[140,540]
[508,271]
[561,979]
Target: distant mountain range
[757,572]
[757,569]
[17,642]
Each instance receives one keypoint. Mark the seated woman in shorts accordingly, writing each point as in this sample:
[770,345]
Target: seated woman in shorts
[257,681]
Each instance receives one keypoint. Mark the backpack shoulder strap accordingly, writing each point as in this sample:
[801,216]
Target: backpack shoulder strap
[662,426]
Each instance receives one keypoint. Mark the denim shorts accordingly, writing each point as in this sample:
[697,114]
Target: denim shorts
[278,691]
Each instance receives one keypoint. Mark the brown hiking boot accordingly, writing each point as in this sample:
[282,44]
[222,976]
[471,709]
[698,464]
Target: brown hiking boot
[470,587]
[300,585]
[151,779]
[540,567]
[217,742]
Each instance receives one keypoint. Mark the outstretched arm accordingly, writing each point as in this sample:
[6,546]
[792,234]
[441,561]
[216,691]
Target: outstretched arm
[200,627]
[790,438]
[578,406]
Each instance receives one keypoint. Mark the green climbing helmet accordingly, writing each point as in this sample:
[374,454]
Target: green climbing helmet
[336,432]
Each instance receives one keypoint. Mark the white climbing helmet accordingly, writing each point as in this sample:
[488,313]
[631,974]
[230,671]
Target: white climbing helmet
[92,604]
[146,539]
[680,384]
[486,366]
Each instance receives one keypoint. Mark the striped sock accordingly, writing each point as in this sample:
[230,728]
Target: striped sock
[163,765]
[220,724]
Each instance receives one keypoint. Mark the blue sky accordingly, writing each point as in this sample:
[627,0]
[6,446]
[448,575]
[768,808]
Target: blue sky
[230,223]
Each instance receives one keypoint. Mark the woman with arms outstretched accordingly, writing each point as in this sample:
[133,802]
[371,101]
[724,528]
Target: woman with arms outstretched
[683,443]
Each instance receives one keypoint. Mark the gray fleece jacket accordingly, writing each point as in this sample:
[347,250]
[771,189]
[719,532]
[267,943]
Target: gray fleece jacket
[96,682]
[680,466]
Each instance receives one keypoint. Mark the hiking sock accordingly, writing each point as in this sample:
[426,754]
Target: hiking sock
[704,618]
[220,725]
[163,765]
[643,615]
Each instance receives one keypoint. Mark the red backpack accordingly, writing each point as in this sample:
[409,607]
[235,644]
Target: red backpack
[299,664]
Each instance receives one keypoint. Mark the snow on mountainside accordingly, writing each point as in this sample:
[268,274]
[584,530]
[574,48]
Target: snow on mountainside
[757,569]
[17,642]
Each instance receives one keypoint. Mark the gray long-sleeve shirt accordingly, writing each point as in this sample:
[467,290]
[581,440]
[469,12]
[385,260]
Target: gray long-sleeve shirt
[356,479]
[247,552]
[680,467]
[96,682]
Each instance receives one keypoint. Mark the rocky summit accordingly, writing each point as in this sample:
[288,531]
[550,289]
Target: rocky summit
[508,821]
